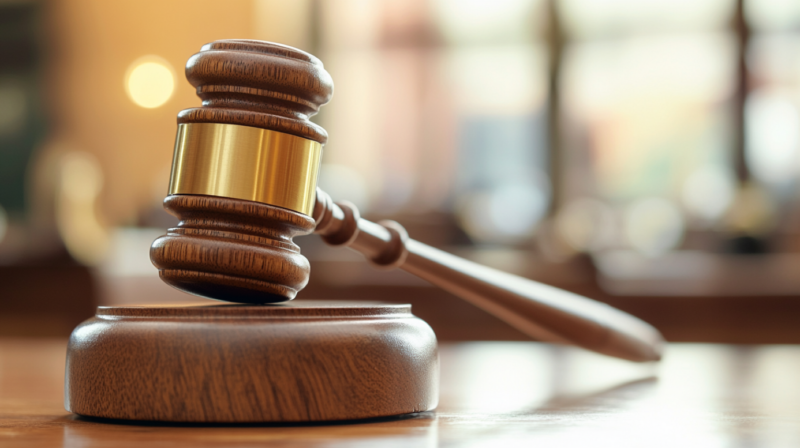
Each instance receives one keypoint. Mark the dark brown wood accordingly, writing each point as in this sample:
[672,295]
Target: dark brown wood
[543,312]
[242,251]
[45,299]
[258,84]
[492,394]
[220,251]
[233,250]
[291,362]
[230,249]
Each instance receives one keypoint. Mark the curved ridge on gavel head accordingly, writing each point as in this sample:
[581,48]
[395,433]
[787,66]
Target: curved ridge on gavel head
[243,185]
[244,173]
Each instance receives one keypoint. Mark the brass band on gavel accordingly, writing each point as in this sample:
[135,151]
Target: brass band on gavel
[243,162]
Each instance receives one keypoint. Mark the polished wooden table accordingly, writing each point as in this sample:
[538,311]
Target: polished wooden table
[492,394]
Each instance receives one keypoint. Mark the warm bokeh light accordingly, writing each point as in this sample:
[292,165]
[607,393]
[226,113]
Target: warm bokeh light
[504,214]
[753,211]
[150,82]
[653,226]
[707,192]
[586,224]
[79,186]
[773,137]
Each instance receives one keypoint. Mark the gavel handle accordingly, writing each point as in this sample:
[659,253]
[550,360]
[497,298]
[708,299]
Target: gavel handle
[543,312]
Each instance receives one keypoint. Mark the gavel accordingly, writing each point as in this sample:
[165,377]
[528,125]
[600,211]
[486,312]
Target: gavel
[244,184]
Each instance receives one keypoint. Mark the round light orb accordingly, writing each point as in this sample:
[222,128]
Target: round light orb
[150,82]
[653,226]
[708,192]
[772,143]
[507,213]
[586,225]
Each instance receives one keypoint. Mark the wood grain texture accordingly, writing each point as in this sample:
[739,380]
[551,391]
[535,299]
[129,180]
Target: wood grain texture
[258,84]
[230,249]
[299,361]
[541,311]
[234,250]
[241,251]
[218,250]
[493,394]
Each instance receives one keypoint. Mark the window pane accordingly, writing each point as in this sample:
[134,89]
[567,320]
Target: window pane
[773,112]
[764,15]
[440,106]
[596,18]
[648,117]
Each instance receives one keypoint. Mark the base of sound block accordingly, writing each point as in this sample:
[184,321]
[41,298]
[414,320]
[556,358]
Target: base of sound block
[299,361]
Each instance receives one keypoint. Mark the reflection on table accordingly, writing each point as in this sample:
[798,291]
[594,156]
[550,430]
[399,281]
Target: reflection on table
[492,394]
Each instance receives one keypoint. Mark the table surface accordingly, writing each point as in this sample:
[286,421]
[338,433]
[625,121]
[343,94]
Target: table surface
[492,394]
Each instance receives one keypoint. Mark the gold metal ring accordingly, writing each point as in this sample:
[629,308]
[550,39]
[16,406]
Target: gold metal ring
[247,163]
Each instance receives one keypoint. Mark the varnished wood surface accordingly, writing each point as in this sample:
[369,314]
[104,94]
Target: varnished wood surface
[298,361]
[219,251]
[259,84]
[242,251]
[509,394]
[234,250]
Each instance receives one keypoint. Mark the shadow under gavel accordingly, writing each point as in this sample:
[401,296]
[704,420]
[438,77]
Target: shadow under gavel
[541,311]
[243,185]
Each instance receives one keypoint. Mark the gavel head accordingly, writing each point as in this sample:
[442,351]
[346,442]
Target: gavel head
[244,173]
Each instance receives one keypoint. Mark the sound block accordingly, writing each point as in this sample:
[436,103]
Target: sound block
[299,361]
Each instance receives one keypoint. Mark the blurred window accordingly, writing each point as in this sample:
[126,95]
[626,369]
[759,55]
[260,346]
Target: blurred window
[647,96]
[444,105]
[440,107]
[773,105]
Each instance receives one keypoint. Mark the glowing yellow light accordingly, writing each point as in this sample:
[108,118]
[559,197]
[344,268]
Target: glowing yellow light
[150,82]
[80,184]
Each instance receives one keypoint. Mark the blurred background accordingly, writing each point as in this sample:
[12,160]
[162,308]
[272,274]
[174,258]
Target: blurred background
[646,154]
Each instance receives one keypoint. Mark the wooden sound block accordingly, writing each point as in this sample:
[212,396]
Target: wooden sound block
[297,361]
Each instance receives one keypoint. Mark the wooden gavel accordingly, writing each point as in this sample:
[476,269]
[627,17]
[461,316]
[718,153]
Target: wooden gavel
[244,184]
